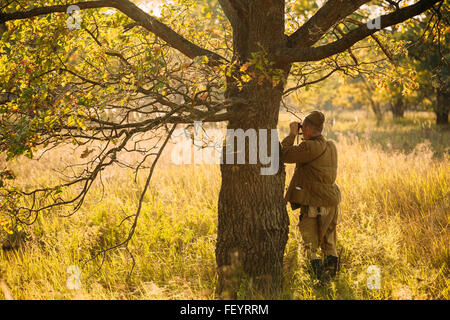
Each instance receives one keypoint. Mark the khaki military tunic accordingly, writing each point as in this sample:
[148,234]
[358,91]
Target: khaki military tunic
[313,186]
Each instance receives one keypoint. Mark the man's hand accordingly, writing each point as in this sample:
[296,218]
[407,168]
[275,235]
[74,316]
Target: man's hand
[294,128]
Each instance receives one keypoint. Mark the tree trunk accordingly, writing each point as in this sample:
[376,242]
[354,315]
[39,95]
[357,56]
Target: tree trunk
[376,108]
[442,106]
[253,222]
[398,108]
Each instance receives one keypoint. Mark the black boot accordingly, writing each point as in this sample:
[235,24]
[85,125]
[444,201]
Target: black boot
[316,269]
[330,265]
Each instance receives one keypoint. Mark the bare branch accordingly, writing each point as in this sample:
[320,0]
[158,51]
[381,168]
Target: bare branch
[136,215]
[287,91]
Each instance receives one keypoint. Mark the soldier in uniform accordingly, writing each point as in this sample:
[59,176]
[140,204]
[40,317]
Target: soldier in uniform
[314,191]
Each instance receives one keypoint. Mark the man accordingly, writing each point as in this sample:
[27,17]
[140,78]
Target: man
[314,191]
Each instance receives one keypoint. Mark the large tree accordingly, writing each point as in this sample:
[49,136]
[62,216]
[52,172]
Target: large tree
[109,89]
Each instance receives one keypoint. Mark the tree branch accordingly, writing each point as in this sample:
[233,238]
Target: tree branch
[318,24]
[235,11]
[375,38]
[132,11]
[346,42]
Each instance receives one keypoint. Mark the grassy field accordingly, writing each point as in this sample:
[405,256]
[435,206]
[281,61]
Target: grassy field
[395,180]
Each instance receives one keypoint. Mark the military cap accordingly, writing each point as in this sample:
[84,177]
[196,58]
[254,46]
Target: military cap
[316,118]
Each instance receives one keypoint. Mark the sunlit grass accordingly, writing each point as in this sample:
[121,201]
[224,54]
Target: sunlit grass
[395,214]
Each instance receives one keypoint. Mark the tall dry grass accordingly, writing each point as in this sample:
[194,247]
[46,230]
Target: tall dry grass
[395,214]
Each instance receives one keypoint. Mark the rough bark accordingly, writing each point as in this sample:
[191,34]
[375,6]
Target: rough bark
[253,221]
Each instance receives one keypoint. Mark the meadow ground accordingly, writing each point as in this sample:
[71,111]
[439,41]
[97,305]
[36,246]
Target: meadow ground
[395,180]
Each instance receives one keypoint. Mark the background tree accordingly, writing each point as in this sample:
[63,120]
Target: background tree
[397,86]
[63,86]
[430,58]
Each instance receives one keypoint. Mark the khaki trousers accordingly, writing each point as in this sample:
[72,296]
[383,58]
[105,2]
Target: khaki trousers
[309,230]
